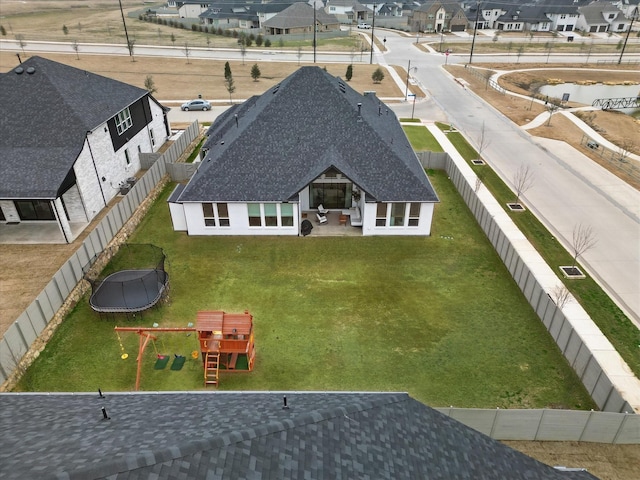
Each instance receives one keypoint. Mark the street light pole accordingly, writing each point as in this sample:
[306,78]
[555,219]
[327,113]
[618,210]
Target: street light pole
[373,27]
[635,14]
[414,106]
[406,89]
[475,27]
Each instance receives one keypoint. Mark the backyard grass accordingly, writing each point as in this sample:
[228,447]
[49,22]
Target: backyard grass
[438,317]
[613,323]
[421,139]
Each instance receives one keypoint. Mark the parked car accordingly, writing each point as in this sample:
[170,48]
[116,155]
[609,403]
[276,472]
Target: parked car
[196,105]
[364,25]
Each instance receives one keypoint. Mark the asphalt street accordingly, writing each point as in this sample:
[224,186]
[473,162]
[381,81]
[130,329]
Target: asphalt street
[568,188]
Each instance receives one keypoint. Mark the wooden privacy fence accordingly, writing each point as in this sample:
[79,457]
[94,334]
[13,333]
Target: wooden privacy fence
[550,425]
[20,336]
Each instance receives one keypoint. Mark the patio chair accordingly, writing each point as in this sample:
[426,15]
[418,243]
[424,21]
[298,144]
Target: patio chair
[321,218]
[321,210]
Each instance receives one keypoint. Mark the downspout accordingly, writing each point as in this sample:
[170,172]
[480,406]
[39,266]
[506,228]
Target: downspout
[64,234]
[95,167]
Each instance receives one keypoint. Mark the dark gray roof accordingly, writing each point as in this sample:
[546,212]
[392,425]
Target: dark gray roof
[248,435]
[291,134]
[299,15]
[44,117]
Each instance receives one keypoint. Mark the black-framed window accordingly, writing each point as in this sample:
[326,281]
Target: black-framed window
[35,209]
[123,121]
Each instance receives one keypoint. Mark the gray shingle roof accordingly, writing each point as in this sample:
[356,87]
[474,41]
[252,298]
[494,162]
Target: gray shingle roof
[299,15]
[292,133]
[44,117]
[248,435]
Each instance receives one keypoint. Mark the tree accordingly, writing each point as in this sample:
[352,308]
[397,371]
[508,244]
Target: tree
[509,48]
[378,75]
[483,141]
[3,31]
[65,30]
[522,181]
[79,27]
[228,80]
[150,85]
[76,48]
[552,107]
[187,51]
[299,54]
[173,39]
[228,83]
[255,72]
[267,43]
[130,46]
[243,49]
[582,239]
[21,42]
[520,52]
[560,296]
[349,73]
[259,40]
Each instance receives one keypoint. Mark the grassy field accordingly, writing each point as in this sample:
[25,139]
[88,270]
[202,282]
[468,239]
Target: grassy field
[438,317]
[613,323]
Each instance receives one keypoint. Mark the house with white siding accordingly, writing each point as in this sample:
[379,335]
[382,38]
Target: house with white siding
[70,139]
[309,142]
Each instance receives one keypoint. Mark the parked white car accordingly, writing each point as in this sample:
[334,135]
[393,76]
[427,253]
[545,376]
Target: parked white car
[364,25]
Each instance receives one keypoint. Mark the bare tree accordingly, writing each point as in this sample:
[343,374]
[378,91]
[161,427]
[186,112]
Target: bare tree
[625,149]
[522,181]
[478,184]
[243,49]
[150,85]
[551,108]
[300,54]
[560,295]
[131,43]
[483,141]
[21,42]
[519,53]
[229,84]
[582,239]
[76,48]
[187,51]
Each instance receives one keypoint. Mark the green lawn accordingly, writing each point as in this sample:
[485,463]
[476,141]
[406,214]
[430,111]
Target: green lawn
[438,317]
[421,138]
[613,323]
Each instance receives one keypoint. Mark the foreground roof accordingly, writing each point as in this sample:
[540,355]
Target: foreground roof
[272,146]
[248,435]
[46,109]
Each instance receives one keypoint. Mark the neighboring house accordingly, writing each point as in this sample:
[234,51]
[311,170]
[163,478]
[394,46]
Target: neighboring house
[602,17]
[438,16]
[563,18]
[193,8]
[348,11]
[299,18]
[309,140]
[241,14]
[249,435]
[69,139]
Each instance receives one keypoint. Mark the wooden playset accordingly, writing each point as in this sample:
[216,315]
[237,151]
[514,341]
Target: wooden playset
[226,343]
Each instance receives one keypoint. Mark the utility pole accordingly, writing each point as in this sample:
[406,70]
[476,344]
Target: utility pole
[406,89]
[315,27]
[373,27]
[635,14]
[475,27]
[126,34]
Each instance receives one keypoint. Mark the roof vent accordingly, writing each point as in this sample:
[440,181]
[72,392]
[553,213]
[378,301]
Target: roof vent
[31,70]
[275,89]
[359,112]
[19,70]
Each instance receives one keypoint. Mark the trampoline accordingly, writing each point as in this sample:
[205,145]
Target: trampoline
[132,279]
[129,291]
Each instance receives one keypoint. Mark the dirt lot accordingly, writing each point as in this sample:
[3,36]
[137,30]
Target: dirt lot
[25,270]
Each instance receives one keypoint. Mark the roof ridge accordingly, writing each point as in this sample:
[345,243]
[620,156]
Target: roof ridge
[147,459]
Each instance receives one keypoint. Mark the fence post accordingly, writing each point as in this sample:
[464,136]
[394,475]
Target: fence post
[586,424]
[620,428]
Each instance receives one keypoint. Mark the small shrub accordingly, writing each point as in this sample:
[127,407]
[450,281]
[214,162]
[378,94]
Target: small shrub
[378,75]
[259,41]
[349,73]
[267,43]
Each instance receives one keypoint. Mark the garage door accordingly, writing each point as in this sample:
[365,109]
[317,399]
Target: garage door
[457,28]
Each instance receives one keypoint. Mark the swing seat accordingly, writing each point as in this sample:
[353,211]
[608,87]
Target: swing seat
[161,362]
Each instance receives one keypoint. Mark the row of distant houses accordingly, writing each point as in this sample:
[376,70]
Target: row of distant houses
[430,16]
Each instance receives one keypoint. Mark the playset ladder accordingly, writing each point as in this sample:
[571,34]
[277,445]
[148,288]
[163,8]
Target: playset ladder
[211,368]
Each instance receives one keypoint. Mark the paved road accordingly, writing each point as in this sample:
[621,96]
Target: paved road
[568,190]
